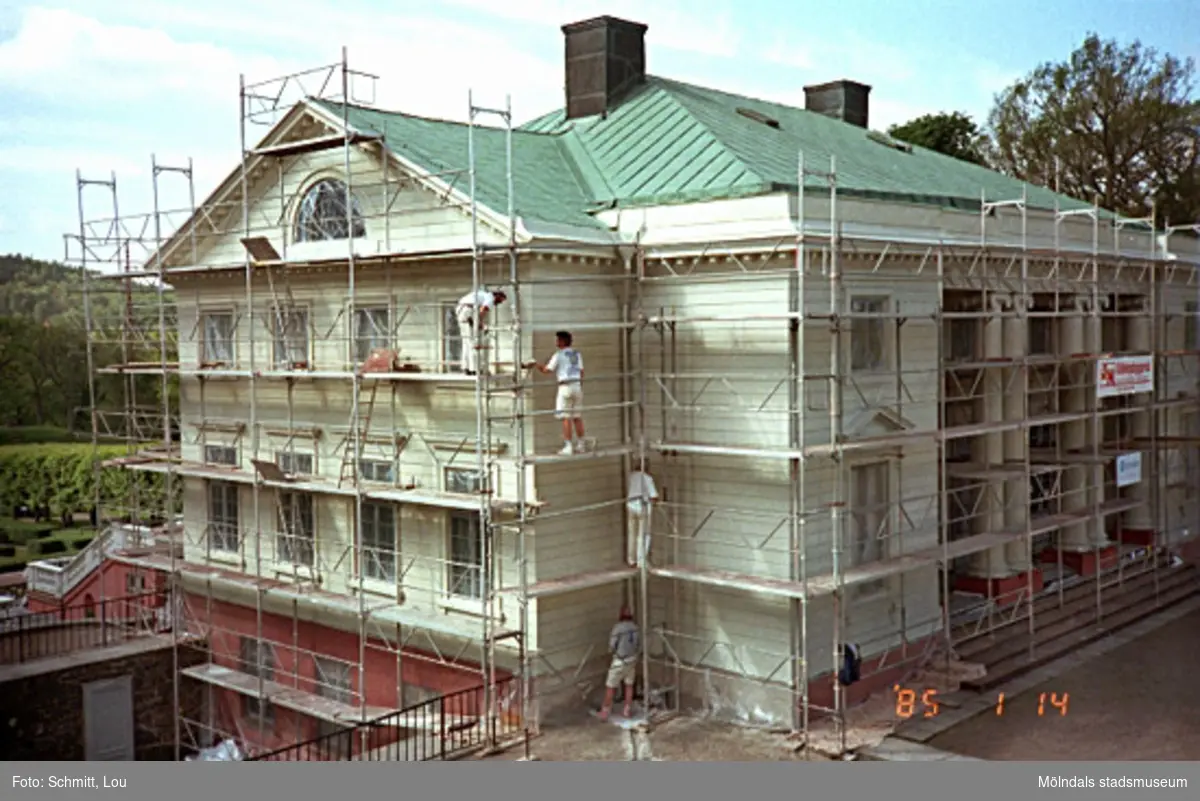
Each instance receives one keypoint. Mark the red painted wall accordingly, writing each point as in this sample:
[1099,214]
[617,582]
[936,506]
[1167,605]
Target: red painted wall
[111,581]
[294,645]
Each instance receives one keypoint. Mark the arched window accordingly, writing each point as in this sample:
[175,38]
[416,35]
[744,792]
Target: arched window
[322,214]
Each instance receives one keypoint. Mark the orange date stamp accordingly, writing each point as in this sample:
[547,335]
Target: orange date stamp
[912,703]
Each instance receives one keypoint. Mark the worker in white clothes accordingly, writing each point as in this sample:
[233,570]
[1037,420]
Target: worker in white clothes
[640,502]
[625,645]
[472,313]
[567,367]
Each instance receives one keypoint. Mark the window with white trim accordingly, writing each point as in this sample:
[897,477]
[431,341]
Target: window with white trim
[257,660]
[224,525]
[334,681]
[868,335]
[372,330]
[465,575]
[379,541]
[322,215]
[290,344]
[216,337]
[221,454]
[296,540]
[466,480]
[452,340]
[295,463]
[871,520]
[376,470]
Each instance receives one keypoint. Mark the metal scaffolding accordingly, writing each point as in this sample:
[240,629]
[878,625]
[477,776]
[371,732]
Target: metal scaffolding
[909,408]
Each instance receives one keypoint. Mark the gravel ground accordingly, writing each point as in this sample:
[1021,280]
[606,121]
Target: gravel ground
[681,739]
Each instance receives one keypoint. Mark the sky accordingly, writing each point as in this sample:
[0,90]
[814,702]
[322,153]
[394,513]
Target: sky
[102,85]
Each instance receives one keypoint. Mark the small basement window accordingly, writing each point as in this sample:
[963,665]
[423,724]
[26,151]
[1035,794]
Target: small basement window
[758,116]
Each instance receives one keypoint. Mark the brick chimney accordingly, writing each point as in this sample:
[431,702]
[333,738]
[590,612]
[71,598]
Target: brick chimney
[842,100]
[605,59]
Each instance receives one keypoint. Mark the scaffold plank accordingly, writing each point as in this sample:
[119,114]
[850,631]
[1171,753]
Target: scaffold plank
[590,454]
[577,581]
[292,698]
[200,576]
[417,496]
[998,471]
[313,145]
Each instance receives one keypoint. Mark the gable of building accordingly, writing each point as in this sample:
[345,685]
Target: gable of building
[424,210]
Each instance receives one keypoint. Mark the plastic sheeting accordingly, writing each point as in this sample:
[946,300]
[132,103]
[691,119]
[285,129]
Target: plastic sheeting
[224,751]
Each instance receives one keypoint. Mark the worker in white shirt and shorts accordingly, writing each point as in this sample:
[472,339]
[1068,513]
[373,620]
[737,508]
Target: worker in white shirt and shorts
[471,313]
[567,367]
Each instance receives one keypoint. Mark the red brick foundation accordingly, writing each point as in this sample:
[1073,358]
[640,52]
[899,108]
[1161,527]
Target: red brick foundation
[1085,563]
[1003,590]
[1189,551]
[820,689]
[1138,536]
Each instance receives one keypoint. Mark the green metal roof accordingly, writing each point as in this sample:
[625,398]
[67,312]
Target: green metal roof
[545,184]
[672,142]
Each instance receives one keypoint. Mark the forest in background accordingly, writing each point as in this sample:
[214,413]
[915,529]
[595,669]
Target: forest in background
[43,346]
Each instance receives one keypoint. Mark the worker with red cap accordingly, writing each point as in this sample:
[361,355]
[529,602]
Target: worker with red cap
[625,644]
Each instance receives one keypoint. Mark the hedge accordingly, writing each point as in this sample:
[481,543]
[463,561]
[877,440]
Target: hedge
[8,551]
[22,531]
[31,435]
[46,547]
[61,478]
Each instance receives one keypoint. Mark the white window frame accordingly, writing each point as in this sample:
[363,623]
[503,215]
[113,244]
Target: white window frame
[288,544]
[263,667]
[334,680]
[357,218]
[865,547]
[214,359]
[464,573]
[862,325]
[288,459]
[283,348]
[374,564]
[467,473]
[221,450]
[224,536]
[374,340]
[370,469]
[448,334]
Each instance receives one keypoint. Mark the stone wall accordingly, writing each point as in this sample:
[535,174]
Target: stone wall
[41,702]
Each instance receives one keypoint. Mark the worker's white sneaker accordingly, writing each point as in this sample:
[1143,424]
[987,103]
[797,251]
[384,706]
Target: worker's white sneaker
[581,446]
[567,449]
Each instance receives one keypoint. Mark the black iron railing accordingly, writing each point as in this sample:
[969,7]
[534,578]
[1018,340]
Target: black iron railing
[70,628]
[440,728]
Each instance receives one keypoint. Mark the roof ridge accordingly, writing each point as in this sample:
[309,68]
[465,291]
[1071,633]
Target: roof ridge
[423,118]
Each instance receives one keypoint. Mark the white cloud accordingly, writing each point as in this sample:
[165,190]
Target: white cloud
[70,57]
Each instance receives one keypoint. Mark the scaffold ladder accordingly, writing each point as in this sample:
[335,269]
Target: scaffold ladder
[359,429]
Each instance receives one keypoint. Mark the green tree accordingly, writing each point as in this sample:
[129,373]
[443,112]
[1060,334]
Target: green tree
[954,134]
[1120,122]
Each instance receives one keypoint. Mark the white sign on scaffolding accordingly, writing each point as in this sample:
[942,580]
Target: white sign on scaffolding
[1129,468]
[1124,375]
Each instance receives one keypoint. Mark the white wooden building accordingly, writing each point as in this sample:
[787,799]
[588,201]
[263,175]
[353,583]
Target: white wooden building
[836,389]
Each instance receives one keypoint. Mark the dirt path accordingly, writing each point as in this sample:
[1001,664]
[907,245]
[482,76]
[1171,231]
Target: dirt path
[1138,702]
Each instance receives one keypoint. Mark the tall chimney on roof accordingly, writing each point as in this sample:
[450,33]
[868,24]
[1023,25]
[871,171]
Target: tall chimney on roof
[842,100]
[605,59]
